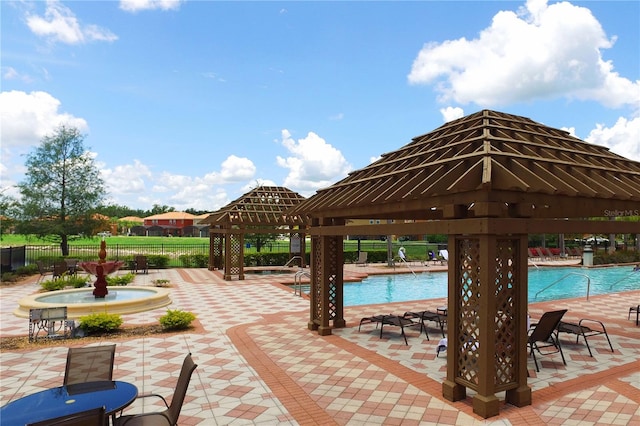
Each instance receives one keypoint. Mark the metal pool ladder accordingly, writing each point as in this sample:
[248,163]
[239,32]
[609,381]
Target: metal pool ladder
[297,283]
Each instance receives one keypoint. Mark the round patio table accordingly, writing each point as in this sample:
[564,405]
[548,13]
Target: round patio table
[71,399]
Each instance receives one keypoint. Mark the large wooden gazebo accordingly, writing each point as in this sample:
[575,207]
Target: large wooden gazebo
[259,211]
[487,180]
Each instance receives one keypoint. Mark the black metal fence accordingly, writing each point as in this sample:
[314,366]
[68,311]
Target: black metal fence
[125,252]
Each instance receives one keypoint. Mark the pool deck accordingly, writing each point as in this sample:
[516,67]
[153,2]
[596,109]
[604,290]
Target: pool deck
[259,364]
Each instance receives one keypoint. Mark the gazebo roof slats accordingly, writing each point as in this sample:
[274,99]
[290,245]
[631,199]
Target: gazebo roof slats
[596,180]
[504,178]
[262,206]
[583,188]
[633,186]
[485,151]
[559,186]
[405,186]
[522,168]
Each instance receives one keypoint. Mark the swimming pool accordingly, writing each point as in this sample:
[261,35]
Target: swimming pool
[570,282]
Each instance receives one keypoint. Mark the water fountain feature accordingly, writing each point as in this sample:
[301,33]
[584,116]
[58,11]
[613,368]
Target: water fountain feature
[85,301]
[100,270]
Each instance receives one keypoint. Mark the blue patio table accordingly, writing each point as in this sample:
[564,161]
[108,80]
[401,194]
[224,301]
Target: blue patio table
[71,399]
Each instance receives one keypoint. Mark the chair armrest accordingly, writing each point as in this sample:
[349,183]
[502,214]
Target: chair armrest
[147,395]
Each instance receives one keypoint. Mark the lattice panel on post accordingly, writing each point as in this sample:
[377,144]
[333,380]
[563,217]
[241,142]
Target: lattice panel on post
[316,280]
[333,253]
[217,251]
[468,332]
[234,256]
[505,323]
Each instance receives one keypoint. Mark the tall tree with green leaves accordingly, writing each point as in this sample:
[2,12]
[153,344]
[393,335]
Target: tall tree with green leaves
[61,189]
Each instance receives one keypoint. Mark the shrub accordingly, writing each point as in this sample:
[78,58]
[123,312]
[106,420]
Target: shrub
[176,319]
[161,283]
[159,261]
[120,280]
[75,281]
[29,269]
[100,323]
[9,277]
[53,285]
[194,260]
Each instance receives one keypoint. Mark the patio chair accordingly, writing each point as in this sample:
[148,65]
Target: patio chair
[543,335]
[172,413]
[72,266]
[396,320]
[141,264]
[43,270]
[59,269]
[93,417]
[89,364]
[635,309]
[585,331]
[362,258]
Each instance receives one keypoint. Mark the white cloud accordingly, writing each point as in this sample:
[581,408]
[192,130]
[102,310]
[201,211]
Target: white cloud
[138,5]
[623,138]
[451,113]
[10,73]
[180,191]
[543,51]
[127,178]
[25,118]
[60,24]
[314,163]
[235,169]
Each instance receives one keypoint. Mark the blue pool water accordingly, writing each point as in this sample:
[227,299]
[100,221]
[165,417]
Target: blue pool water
[571,282]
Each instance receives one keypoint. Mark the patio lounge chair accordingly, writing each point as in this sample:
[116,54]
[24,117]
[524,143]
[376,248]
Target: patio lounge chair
[89,364]
[396,320]
[439,319]
[93,417]
[172,413]
[543,335]
[362,258]
[585,331]
[635,309]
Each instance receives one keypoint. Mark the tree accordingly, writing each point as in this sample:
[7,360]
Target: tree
[7,213]
[61,189]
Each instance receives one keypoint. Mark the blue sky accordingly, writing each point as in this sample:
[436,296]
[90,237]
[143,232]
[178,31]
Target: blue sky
[191,104]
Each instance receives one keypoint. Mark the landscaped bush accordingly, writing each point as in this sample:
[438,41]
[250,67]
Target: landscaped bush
[159,261]
[9,277]
[194,260]
[622,256]
[53,285]
[100,323]
[176,319]
[120,280]
[161,283]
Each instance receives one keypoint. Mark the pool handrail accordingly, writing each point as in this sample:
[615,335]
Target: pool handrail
[562,278]
[629,275]
[292,259]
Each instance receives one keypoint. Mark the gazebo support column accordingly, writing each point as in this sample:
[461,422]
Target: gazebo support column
[216,245]
[327,282]
[234,255]
[487,321]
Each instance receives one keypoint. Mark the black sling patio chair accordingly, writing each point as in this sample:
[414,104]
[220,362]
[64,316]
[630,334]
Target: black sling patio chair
[544,335]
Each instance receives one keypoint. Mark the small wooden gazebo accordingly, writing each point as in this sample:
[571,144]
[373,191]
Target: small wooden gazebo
[259,211]
[487,180]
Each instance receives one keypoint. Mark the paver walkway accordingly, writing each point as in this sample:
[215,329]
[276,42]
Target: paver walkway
[259,364]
